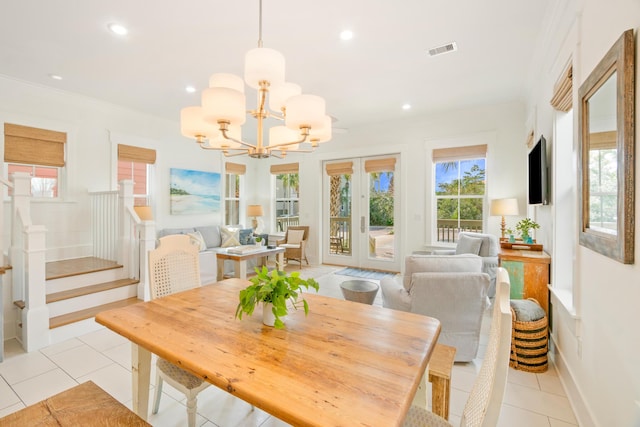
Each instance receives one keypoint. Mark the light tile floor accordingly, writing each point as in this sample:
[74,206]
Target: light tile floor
[531,400]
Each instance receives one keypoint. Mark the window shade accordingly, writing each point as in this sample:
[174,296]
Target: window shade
[603,140]
[129,153]
[286,168]
[563,91]
[235,168]
[33,146]
[457,153]
[380,165]
[342,168]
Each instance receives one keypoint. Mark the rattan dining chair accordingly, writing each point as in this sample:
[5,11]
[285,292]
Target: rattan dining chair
[483,406]
[174,267]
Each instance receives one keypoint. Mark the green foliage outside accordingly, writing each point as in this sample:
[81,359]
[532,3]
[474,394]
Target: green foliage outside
[472,183]
[381,200]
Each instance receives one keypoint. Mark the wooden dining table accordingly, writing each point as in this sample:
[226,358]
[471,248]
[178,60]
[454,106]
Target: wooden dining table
[345,364]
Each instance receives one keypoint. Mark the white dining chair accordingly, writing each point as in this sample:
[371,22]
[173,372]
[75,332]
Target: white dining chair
[483,406]
[174,267]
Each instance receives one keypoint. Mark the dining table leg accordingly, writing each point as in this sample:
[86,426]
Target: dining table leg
[140,376]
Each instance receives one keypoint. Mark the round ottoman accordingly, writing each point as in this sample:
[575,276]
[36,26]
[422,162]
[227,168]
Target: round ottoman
[529,336]
[363,291]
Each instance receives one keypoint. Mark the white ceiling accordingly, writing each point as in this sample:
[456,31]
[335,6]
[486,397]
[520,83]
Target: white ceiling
[172,44]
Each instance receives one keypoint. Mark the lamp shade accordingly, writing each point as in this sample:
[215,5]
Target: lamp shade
[305,110]
[322,134]
[281,135]
[223,103]
[193,125]
[278,95]
[263,64]
[502,207]
[227,80]
[254,210]
[220,142]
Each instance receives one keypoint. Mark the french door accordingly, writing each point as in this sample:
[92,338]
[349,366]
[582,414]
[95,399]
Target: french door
[361,213]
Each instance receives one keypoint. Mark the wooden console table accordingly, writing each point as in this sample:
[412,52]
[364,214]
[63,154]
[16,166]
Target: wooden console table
[528,274]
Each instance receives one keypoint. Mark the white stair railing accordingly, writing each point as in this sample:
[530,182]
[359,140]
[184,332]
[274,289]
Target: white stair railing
[28,265]
[104,224]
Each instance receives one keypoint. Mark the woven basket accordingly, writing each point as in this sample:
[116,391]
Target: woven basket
[529,344]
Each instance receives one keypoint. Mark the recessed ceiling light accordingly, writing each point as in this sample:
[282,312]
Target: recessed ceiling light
[55,77]
[406,107]
[190,89]
[346,35]
[117,29]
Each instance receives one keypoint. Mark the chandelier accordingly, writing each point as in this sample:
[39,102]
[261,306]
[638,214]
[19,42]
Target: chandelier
[216,123]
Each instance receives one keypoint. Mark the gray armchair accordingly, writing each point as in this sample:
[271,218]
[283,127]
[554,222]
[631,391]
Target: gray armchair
[484,245]
[453,289]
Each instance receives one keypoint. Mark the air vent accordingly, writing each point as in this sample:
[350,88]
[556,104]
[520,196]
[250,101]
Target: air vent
[449,47]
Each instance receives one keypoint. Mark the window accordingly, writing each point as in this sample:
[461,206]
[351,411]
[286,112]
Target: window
[44,180]
[232,191]
[287,195]
[459,191]
[134,164]
[139,174]
[38,152]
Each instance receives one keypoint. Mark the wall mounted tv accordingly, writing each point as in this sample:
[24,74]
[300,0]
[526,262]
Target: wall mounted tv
[538,174]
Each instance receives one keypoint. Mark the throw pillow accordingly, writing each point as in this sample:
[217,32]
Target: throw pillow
[211,234]
[468,245]
[245,235]
[294,237]
[197,237]
[230,236]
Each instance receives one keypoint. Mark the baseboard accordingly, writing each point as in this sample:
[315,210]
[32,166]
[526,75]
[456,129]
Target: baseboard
[576,399]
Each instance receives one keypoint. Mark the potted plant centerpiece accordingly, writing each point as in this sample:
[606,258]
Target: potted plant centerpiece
[274,289]
[524,226]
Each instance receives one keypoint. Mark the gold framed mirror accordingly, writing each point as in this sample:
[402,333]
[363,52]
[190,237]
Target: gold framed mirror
[606,153]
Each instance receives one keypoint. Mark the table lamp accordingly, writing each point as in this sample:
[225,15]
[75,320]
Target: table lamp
[502,207]
[255,211]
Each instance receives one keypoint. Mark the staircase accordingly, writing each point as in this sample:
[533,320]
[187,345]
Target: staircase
[78,289]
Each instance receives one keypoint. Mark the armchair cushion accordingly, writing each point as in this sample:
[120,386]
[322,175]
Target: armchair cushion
[468,245]
[294,237]
[439,263]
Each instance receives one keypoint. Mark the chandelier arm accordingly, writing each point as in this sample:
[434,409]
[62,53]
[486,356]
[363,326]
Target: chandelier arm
[241,153]
[302,140]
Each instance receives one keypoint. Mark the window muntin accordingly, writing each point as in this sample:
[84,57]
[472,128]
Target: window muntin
[459,192]
[287,201]
[44,179]
[232,199]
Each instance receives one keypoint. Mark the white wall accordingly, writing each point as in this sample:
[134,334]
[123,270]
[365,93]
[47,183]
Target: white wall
[597,347]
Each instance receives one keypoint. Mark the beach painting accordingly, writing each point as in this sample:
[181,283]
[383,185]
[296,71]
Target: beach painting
[194,192]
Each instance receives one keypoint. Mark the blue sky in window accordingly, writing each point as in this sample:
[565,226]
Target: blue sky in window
[383,183]
[447,176]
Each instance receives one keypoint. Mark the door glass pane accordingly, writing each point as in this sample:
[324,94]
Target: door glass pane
[340,231]
[381,215]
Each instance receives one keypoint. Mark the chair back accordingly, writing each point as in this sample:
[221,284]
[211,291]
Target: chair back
[305,236]
[485,400]
[174,265]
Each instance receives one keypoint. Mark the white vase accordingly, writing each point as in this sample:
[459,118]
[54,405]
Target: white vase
[268,318]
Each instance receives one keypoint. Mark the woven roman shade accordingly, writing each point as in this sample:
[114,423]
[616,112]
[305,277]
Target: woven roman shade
[235,168]
[380,165]
[342,168]
[285,168]
[129,153]
[603,140]
[33,146]
[562,91]
[457,153]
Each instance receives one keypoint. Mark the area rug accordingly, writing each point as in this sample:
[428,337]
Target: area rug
[365,274]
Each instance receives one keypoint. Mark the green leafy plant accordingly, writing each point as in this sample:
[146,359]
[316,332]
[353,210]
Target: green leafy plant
[524,226]
[276,288]
[258,239]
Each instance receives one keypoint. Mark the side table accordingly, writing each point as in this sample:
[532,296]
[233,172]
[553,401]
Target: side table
[528,274]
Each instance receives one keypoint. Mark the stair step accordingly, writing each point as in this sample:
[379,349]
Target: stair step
[76,316]
[91,289]
[78,266]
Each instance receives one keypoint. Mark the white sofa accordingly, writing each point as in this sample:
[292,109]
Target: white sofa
[212,241]
[453,289]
